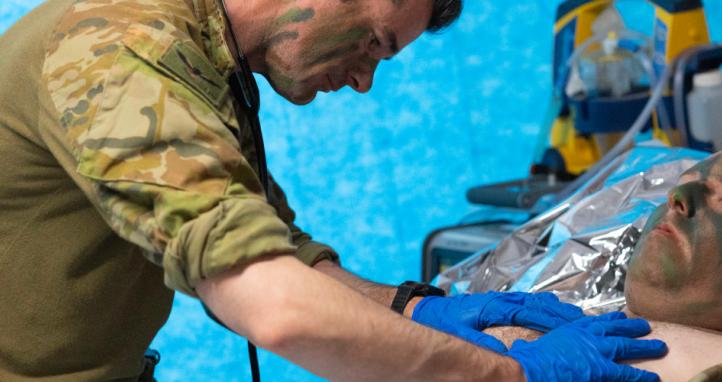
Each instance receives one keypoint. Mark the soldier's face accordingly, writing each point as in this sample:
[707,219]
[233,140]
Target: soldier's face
[324,45]
[676,272]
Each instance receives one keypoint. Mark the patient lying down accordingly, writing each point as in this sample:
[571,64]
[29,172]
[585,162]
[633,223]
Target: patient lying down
[675,278]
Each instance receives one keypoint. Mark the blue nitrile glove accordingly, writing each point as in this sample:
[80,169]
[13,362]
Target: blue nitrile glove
[585,350]
[466,315]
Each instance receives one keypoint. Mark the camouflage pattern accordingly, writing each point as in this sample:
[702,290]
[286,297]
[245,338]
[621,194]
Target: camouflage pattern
[140,88]
[713,374]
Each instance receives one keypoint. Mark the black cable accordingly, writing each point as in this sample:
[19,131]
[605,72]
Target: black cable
[245,90]
[252,351]
[252,113]
[253,359]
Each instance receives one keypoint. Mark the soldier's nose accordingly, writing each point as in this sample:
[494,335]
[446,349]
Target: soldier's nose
[361,81]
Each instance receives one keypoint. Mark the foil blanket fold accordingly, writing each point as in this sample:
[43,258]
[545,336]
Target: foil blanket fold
[580,248]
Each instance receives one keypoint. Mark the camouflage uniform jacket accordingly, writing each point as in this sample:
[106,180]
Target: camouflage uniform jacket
[119,144]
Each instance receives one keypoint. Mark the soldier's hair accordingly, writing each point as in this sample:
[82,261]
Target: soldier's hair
[444,13]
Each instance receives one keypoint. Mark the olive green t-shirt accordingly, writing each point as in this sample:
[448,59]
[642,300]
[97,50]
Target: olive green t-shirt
[124,175]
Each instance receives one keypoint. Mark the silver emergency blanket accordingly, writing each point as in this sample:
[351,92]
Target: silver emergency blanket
[580,248]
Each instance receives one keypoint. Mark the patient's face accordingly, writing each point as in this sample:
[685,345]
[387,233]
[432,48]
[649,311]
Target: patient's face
[676,272]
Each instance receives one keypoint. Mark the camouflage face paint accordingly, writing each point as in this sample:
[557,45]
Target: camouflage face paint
[294,15]
[717,224]
[332,55]
[707,167]
[680,281]
[696,226]
[700,307]
[714,219]
[279,79]
[693,195]
[652,222]
[321,41]
[281,37]
[334,45]
[654,219]
[670,271]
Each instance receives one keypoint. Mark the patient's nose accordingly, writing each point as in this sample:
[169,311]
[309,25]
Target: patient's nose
[685,198]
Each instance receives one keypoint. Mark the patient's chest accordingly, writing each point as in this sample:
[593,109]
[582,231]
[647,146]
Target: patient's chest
[691,351]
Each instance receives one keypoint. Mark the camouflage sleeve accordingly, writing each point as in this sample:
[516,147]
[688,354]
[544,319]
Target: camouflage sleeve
[310,252]
[151,130]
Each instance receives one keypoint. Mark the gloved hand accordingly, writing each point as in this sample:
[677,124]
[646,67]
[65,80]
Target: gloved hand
[466,315]
[586,350]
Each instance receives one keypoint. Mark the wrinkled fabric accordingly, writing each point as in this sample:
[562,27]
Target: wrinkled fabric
[119,145]
[580,248]
[142,95]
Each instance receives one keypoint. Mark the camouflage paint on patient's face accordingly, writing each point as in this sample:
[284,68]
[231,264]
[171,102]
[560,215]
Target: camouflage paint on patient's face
[676,272]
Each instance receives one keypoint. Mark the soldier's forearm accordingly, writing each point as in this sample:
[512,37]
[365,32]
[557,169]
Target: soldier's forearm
[335,332]
[380,293]
[383,294]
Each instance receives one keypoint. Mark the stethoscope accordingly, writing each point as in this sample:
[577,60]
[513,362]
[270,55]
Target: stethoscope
[244,89]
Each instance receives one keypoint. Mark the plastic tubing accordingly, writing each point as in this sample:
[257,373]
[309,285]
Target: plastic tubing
[646,64]
[625,142]
[680,114]
[636,127]
[572,61]
[663,114]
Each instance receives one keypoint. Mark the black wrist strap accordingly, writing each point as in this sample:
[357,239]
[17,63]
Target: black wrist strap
[410,289]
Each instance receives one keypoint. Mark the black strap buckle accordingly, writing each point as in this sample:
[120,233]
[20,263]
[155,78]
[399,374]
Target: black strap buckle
[150,361]
[411,289]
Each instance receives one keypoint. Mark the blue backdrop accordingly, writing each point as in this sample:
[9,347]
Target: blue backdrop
[373,174]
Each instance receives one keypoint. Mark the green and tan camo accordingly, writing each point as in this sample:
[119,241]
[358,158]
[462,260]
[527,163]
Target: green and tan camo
[140,89]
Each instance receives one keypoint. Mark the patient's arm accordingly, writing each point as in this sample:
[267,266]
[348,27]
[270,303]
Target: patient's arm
[691,350]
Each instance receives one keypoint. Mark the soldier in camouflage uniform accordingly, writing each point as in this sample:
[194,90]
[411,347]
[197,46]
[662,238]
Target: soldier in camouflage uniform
[115,112]
[123,179]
